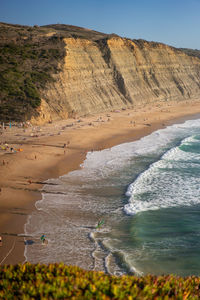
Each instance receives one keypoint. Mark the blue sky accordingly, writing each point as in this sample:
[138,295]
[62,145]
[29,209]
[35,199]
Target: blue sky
[174,22]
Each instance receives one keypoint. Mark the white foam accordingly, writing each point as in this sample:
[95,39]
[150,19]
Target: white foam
[166,182]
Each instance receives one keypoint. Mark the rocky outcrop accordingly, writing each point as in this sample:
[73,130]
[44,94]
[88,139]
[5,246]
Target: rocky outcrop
[117,73]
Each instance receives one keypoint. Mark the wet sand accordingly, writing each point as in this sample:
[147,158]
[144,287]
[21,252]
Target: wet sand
[44,156]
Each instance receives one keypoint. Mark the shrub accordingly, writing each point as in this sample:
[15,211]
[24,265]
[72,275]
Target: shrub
[58,281]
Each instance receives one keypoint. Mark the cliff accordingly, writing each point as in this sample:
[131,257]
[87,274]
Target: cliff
[76,71]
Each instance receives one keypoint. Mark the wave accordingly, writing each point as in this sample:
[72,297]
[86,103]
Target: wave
[170,182]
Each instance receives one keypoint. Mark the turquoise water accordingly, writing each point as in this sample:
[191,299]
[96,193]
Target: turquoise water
[148,194]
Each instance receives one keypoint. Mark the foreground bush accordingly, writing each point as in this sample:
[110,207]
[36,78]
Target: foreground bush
[58,281]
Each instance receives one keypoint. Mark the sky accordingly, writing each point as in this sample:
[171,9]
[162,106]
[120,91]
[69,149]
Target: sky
[173,22]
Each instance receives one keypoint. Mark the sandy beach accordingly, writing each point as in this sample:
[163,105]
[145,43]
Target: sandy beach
[51,150]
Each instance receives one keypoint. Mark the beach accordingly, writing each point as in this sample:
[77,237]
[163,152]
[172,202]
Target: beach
[52,150]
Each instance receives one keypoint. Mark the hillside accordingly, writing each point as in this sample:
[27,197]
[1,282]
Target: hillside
[60,71]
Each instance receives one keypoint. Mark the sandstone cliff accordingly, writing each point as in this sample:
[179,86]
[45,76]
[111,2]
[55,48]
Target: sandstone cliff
[100,73]
[116,73]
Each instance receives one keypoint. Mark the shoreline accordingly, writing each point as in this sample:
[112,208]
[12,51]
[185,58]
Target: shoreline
[43,157]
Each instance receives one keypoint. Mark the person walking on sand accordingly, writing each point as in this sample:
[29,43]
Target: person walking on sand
[99,224]
[0,241]
[43,239]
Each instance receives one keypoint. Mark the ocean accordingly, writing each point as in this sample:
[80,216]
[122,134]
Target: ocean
[146,192]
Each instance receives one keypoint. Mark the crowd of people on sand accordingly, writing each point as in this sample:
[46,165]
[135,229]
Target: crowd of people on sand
[4,126]
[4,146]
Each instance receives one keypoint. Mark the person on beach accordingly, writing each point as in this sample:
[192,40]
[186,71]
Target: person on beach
[0,241]
[44,240]
[100,222]
[65,145]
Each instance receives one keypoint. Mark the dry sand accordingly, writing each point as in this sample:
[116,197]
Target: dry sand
[23,173]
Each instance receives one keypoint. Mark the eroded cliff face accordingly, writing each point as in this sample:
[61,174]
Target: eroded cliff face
[114,73]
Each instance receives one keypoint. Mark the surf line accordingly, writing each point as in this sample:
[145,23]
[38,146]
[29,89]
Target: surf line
[9,252]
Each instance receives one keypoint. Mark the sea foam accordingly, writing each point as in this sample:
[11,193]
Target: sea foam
[169,182]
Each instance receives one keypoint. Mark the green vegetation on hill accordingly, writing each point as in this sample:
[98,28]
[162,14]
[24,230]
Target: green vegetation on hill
[28,59]
[191,52]
[58,281]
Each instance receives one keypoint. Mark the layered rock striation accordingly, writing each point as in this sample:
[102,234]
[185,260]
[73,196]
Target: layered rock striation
[117,73]
[98,72]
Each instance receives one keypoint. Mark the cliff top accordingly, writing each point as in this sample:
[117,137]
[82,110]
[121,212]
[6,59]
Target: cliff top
[11,32]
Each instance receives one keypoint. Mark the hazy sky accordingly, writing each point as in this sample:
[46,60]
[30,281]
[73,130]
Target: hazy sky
[174,22]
